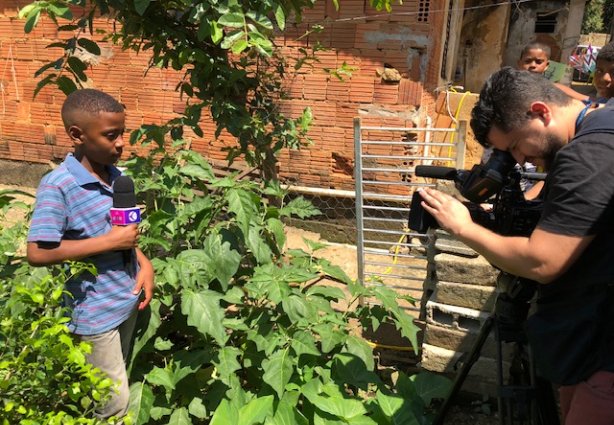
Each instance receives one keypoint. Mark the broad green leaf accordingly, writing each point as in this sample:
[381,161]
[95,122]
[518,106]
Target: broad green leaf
[299,207]
[32,20]
[197,408]
[256,410]
[334,271]
[239,46]
[280,17]
[304,343]
[197,172]
[204,313]
[297,308]
[226,363]
[180,417]
[359,347]
[278,370]
[141,6]
[341,407]
[161,377]
[141,401]
[351,369]
[258,246]
[388,403]
[244,206]
[26,10]
[276,227]
[328,292]
[329,337]
[60,10]
[232,19]
[223,261]
[232,38]
[89,45]
[225,414]
[429,386]
[217,32]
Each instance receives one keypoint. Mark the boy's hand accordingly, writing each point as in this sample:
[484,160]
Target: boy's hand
[123,237]
[144,280]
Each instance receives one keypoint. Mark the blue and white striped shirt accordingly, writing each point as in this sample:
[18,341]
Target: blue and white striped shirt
[72,204]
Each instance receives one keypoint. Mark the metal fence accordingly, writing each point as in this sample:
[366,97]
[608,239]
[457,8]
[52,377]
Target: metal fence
[385,159]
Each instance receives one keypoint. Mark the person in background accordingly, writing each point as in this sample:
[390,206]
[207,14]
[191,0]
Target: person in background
[71,221]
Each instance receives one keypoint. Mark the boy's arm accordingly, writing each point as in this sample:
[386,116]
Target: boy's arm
[144,279]
[47,253]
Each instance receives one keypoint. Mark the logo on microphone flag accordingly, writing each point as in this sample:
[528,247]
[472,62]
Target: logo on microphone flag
[125,216]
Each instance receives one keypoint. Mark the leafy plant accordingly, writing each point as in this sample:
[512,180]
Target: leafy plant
[44,376]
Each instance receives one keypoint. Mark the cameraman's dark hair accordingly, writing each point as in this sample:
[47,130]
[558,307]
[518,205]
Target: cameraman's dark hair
[506,98]
[606,53]
[90,101]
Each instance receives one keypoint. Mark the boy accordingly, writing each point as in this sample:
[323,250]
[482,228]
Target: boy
[71,221]
[535,57]
[604,71]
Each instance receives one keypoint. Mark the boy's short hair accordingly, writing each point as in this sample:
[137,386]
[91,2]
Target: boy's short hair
[537,46]
[91,101]
[505,99]
[606,53]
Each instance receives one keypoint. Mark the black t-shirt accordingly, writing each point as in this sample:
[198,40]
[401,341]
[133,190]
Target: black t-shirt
[570,331]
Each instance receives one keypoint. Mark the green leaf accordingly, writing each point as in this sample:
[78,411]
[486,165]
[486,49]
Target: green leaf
[297,308]
[217,32]
[329,338]
[328,292]
[244,205]
[78,67]
[141,6]
[278,370]
[66,84]
[429,386]
[197,172]
[239,46]
[299,207]
[223,261]
[258,246]
[60,10]
[225,414]
[141,401]
[276,227]
[25,11]
[232,38]
[304,343]
[287,414]
[226,363]
[232,19]
[197,408]
[359,347]
[388,403]
[256,411]
[161,377]
[280,17]
[180,417]
[32,20]
[89,45]
[204,313]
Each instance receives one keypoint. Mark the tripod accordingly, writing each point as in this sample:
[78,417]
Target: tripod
[526,399]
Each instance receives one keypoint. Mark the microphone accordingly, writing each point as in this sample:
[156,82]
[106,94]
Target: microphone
[436,172]
[124,211]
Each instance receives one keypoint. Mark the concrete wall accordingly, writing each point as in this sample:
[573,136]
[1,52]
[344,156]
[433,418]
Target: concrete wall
[409,42]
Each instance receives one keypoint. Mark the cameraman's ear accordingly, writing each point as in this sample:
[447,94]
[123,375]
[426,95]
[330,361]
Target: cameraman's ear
[542,111]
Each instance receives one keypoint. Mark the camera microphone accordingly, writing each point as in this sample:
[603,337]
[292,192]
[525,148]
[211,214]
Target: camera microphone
[124,211]
[436,172]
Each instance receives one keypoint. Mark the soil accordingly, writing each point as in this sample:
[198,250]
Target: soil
[465,410]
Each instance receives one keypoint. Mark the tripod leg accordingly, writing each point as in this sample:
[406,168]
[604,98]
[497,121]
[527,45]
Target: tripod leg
[473,356]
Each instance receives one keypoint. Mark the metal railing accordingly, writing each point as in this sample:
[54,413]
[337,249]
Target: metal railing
[385,159]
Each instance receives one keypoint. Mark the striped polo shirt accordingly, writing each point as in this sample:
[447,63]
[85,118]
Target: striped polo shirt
[72,204]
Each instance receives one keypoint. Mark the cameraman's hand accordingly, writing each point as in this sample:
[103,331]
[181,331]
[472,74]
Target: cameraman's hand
[449,212]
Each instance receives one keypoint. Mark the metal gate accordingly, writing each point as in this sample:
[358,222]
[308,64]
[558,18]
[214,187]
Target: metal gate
[385,159]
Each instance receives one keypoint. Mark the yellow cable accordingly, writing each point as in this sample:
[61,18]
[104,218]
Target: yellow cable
[390,347]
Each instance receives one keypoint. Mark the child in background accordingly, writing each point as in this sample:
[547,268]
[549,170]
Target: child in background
[71,221]
[534,57]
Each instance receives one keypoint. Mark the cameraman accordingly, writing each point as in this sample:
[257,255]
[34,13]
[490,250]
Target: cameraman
[571,252]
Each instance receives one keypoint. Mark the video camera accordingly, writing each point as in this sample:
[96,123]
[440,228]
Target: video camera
[496,181]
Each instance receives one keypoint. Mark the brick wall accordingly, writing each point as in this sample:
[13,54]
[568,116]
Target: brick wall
[31,129]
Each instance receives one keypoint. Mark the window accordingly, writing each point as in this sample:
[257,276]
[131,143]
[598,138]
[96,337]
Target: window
[545,22]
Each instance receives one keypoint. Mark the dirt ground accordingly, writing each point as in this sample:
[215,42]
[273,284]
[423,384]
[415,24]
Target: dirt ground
[464,411]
